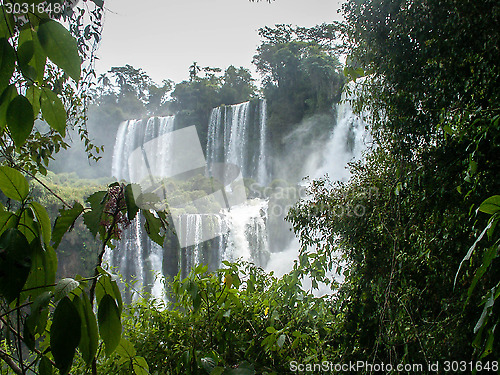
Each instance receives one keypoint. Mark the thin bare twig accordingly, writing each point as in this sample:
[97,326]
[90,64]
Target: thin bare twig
[15,309]
[46,187]
[12,329]
[10,362]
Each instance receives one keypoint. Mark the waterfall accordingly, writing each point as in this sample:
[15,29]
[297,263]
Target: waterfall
[133,134]
[234,228]
[147,150]
[262,174]
[234,138]
[192,255]
[136,257]
[347,141]
[248,236]
[202,252]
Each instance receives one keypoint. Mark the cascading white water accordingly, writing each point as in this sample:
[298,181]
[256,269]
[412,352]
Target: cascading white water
[133,134]
[229,133]
[248,235]
[235,150]
[194,229]
[202,252]
[346,143]
[136,257]
[262,174]
[233,138]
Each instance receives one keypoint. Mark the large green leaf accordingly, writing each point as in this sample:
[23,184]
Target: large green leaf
[53,111]
[92,218]
[153,227]
[132,208]
[33,95]
[43,219]
[110,326]
[42,275]
[64,287]
[5,98]
[126,349]
[490,205]
[29,227]
[140,366]
[45,367]
[15,263]
[6,23]
[25,52]
[60,47]
[65,334]
[64,222]
[7,63]
[37,319]
[39,57]
[20,119]
[7,220]
[106,286]
[13,184]
[89,340]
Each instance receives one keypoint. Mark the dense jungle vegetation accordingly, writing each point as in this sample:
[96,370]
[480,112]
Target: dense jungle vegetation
[420,264]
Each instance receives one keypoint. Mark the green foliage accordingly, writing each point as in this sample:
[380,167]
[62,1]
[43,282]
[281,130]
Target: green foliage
[34,334]
[422,199]
[43,218]
[132,208]
[94,217]
[13,184]
[60,47]
[65,334]
[237,86]
[110,327]
[53,110]
[485,326]
[64,287]
[24,65]
[194,100]
[491,205]
[28,269]
[7,62]
[15,263]
[19,119]
[65,221]
[37,58]
[399,229]
[235,320]
[125,86]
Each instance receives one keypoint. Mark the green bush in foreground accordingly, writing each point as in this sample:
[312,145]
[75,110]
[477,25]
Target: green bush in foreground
[237,320]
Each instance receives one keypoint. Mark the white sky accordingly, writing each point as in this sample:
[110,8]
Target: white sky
[165,37]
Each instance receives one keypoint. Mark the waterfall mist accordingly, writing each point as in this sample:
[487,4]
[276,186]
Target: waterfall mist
[323,157]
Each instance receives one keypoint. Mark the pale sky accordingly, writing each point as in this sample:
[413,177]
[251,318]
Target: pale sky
[165,37]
